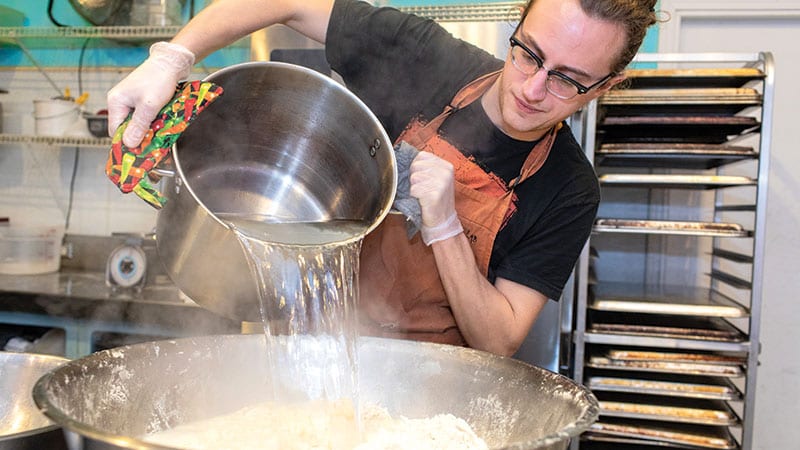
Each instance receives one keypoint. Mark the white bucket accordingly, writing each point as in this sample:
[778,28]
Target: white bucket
[54,117]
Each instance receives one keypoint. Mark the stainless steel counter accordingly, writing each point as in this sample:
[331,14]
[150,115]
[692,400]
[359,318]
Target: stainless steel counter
[82,304]
[85,285]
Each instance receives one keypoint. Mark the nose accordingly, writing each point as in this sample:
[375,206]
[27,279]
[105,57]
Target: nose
[534,88]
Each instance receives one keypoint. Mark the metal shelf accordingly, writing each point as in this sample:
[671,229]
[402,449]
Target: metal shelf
[71,37]
[63,141]
[105,32]
[485,12]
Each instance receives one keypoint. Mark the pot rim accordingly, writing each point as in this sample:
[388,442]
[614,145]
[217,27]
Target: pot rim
[385,208]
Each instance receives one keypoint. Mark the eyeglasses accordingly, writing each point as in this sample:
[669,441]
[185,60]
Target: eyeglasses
[557,83]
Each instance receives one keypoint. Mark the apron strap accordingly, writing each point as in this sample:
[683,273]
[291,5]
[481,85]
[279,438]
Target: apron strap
[466,95]
[536,157]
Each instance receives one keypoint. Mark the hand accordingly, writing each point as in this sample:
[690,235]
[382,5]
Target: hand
[147,89]
[432,183]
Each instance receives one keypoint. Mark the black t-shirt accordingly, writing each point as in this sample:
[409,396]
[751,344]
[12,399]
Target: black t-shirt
[405,67]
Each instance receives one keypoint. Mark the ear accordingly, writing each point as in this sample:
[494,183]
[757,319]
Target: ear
[605,87]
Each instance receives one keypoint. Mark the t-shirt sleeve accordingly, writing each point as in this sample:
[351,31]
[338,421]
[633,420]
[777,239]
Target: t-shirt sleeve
[559,216]
[544,258]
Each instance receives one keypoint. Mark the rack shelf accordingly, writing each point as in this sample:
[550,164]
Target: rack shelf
[495,11]
[105,32]
[72,37]
[64,141]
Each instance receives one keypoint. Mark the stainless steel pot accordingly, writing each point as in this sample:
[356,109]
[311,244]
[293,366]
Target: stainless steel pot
[22,425]
[117,395]
[103,12]
[130,12]
[282,141]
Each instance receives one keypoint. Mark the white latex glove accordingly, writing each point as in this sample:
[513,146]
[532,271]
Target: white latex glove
[432,183]
[147,89]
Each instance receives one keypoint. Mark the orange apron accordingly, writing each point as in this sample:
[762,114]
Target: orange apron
[401,294]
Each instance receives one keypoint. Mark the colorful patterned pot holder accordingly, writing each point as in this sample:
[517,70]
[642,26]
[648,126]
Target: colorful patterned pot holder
[129,168]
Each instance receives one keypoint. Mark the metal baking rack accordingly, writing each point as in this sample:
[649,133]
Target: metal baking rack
[695,126]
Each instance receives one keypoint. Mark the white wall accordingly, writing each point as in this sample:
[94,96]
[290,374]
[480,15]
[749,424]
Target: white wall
[750,26]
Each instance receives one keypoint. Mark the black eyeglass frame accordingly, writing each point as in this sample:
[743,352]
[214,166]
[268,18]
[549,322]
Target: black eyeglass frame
[514,42]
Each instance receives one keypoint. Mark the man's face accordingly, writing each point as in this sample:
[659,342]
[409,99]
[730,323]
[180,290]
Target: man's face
[567,41]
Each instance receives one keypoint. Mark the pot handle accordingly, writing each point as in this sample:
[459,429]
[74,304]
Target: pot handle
[164,172]
[164,168]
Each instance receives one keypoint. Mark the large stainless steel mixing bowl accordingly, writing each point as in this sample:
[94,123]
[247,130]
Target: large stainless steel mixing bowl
[22,425]
[282,141]
[119,394]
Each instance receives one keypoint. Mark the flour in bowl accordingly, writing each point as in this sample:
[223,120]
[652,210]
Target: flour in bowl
[320,426]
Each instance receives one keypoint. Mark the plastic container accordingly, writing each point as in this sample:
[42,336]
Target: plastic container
[54,117]
[156,12]
[30,250]
[97,124]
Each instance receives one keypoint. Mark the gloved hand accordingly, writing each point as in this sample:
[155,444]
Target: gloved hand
[432,183]
[129,168]
[147,89]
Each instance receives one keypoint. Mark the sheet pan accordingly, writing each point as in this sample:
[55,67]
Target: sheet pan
[699,156]
[713,229]
[711,128]
[698,436]
[604,442]
[681,368]
[674,181]
[700,77]
[712,391]
[664,299]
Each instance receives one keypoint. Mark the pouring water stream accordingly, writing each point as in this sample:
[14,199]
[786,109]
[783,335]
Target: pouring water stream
[307,275]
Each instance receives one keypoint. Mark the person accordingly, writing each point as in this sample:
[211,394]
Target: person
[507,196]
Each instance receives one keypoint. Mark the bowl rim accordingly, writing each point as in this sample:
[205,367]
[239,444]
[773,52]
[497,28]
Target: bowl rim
[587,417]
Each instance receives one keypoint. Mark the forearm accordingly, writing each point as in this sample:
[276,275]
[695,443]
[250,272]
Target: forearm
[492,317]
[485,316]
[225,21]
